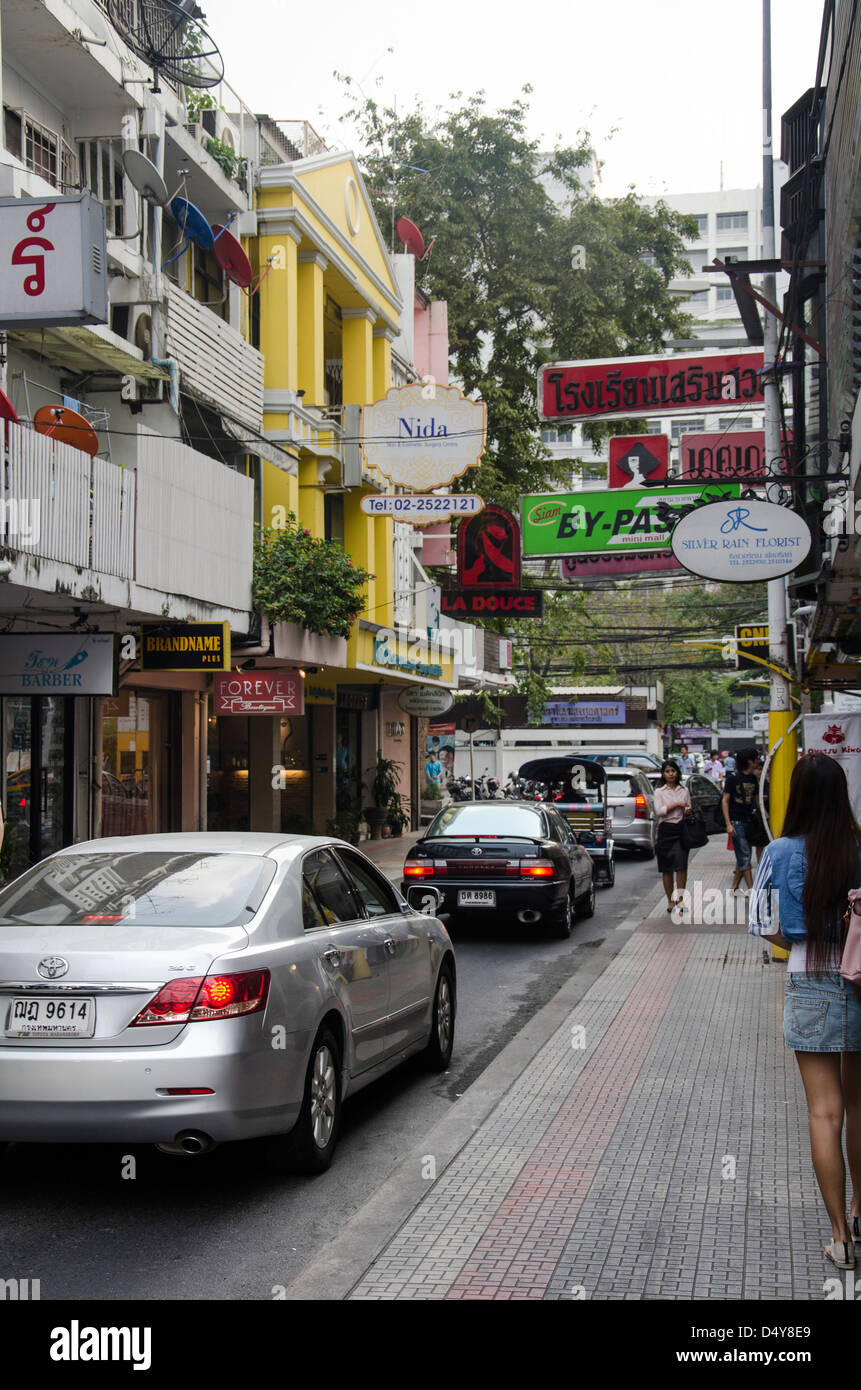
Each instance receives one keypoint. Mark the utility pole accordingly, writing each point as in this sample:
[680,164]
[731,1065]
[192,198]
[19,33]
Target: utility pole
[780,712]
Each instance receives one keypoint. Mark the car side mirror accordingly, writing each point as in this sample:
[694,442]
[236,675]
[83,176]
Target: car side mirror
[424,897]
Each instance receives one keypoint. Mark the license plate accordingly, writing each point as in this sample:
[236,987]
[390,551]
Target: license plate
[51,1017]
[476,897]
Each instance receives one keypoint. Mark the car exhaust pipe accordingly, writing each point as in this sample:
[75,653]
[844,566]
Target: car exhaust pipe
[188,1144]
[528,914]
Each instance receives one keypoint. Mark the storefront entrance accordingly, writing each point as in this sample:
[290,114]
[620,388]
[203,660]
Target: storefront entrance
[138,733]
[38,746]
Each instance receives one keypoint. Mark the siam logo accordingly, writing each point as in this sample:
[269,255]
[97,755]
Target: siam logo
[834,734]
[543,513]
[52,967]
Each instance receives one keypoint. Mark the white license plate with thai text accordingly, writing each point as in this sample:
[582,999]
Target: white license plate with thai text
[51,1017]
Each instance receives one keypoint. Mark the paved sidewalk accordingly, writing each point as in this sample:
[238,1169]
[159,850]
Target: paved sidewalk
[654,1147]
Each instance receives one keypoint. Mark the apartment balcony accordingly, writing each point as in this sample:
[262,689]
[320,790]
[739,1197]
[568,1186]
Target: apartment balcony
[215,362]
[48,38]
[171,537]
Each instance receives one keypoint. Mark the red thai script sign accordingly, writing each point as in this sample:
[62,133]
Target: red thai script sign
[258,692]
[639,460]
[617,389]
[574,567]
[30,250]
[734,454]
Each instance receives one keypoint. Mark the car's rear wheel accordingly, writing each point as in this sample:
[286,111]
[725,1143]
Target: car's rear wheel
[610,872]
[311,1144]
[439,1049]
[563,919]
[586,904]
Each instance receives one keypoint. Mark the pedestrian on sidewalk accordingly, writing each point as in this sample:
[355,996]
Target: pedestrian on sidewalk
[672,804]
[740,806]
[798,902]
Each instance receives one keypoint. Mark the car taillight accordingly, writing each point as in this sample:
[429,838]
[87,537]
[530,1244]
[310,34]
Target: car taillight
[640,812]
[199,999]
[418,870]
[538,868]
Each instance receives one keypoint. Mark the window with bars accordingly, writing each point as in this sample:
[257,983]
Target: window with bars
[42,150]
[208,281]
[102,172]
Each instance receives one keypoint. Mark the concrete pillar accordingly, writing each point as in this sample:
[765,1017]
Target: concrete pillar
[358,355]
[279,306]
[311,311]
[264,753]
[322,766]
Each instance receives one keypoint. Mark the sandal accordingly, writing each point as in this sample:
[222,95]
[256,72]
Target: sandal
[841,1253]
[855,1232]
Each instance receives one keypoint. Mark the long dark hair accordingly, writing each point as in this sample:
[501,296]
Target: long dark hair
[820,810]
[669,762]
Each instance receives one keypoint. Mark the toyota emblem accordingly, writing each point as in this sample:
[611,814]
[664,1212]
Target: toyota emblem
[476,850]
[52,967]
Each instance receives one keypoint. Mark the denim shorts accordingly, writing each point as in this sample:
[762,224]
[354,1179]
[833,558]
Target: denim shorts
[821,1014]
[741,845]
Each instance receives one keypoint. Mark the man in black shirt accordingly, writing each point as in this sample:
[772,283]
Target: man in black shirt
[740,803]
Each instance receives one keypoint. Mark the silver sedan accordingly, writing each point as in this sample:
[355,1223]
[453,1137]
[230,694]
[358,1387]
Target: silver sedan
[185,990]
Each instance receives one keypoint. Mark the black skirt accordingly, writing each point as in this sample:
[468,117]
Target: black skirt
[672,855]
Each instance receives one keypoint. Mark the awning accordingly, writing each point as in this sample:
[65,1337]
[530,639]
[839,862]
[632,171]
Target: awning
[90,348]
[256,444]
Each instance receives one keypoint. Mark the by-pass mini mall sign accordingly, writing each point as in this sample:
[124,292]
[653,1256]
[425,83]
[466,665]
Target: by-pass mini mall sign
[658,385]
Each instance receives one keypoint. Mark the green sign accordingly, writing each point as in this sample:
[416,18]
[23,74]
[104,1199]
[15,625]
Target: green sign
[623,521]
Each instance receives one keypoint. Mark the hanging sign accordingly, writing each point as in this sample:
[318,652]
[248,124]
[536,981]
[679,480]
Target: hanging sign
[488,551]
[53,261]
[576,567]
[643,386]
[471,603]
[737,454]
[185,647]
[750,642]
[616,523]
[421,442]
[741,542]
[258,692]
[421,509]
[425,701]
[37,663]
[639,460]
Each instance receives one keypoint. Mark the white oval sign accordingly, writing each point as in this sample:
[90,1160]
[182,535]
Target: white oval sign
[425,701]
[742,541]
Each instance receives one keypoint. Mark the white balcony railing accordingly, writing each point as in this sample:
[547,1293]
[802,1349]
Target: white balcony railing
[60,504]
[215,361]
[180,525]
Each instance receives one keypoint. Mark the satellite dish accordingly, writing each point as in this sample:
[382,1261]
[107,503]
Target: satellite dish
[169,38]
[192,221]
[410,236]
[145,177]
[59,422]
[230,256]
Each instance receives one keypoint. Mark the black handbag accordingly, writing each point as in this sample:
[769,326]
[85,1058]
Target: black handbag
[693,833]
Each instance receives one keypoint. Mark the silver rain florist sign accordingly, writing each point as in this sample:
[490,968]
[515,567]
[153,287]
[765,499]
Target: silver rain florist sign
[36,663]
[741,542]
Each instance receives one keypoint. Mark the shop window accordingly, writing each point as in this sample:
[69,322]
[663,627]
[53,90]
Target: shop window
[228,805]
[135,797]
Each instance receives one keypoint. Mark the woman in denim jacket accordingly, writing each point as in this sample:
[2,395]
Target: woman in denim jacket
[798,901]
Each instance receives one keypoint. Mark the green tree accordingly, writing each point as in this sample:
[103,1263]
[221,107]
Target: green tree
[473,179]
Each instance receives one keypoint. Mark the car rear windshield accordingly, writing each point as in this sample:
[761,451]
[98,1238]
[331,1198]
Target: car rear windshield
[482,819]
[148,889]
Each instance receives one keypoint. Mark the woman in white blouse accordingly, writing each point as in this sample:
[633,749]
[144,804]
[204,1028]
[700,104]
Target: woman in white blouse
[672,804]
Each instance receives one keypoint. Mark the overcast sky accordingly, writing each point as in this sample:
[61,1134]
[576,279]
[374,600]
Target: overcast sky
[680,83]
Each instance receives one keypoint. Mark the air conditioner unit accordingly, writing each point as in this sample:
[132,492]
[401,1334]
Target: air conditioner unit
[217,125]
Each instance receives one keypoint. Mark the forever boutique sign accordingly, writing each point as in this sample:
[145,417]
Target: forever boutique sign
[654,385]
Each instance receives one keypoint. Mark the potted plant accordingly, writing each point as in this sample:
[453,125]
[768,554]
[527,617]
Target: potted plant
[383,788]
[398,820]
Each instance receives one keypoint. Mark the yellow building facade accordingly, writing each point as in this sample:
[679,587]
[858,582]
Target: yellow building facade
[328,311]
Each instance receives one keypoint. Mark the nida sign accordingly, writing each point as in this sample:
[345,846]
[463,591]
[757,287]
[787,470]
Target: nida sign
[423,436]
[654,385]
